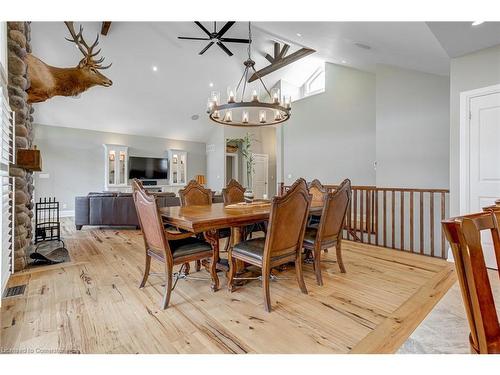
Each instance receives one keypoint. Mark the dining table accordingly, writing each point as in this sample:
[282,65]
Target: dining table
[208,219]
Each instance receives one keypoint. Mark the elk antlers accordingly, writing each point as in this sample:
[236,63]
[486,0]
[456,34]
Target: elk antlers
[85,49]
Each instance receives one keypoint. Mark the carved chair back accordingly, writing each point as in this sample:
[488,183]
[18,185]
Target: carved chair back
[194,194]
[317,190]
[287,222]
[464,235]
[150,221]
[333,214]
[233,193]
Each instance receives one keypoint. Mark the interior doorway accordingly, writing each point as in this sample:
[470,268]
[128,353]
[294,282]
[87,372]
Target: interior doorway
[260,180]
[232,167]
[480,155]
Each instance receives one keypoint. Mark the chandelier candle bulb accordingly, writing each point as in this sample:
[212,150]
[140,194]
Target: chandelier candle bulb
[277,115]
[216,115]
[244,117]
[210,105]
[255,96]
[215,97]
[230,95]
[262,117]
[228,117]
[275,95]
[288,102]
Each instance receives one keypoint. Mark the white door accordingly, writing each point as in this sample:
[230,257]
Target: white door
[259,181]
[484,159]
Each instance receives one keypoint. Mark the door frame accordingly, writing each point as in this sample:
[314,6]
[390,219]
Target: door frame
[266,156]
[235,171]
[464,170]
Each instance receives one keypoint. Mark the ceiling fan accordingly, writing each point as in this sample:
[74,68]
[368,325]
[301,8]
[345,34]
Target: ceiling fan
[218,36]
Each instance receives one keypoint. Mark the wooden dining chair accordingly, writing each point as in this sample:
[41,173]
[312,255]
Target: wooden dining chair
[328,232]
[464,235]
[170,248]
[195,194]
[318,192]
[234,192]
[283,241]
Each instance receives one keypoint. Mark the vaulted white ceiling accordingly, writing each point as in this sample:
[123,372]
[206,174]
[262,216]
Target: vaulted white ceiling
[161,103]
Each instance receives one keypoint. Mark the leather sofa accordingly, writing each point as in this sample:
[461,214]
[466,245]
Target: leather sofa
[116,209]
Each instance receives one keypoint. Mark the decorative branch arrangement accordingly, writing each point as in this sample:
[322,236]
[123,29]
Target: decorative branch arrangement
[245,145]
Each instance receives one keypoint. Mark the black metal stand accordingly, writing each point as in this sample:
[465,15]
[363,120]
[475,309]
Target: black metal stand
[48,228]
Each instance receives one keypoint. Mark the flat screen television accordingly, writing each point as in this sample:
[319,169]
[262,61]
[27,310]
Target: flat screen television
[148,168]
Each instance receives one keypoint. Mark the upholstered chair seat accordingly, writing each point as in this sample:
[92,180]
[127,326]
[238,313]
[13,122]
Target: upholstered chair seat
[189,246]
[310,235]
[253,249]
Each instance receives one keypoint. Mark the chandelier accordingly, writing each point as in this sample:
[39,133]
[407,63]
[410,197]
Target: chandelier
[243,108]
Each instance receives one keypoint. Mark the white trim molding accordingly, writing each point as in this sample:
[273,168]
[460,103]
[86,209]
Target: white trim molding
[465,98]
[67,213]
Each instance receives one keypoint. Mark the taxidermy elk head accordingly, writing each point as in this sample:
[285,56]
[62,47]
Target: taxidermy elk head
[48,81]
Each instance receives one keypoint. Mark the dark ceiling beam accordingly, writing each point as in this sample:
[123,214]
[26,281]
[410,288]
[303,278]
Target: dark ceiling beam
[280,60]
[105,27]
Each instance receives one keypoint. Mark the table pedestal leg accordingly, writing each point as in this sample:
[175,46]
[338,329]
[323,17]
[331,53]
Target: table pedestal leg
[213,238]
[236,234]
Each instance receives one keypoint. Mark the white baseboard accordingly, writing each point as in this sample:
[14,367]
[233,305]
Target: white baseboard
[67,213]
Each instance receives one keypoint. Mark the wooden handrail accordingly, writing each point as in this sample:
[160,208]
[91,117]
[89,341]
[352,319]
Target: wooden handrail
[398,218]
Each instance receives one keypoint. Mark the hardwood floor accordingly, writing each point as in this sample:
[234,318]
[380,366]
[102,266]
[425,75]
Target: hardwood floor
[93,304]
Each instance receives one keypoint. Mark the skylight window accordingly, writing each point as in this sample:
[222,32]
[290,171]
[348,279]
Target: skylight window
[315,84]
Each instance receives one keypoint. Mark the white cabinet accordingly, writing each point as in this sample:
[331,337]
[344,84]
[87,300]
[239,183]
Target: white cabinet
[178,167]
[115,166]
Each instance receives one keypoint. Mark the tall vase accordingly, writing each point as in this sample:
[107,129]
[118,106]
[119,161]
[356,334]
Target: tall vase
[249,195]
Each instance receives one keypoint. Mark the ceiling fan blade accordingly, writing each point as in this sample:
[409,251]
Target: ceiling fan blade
[190,38]
[224,48]
[205,49]
[225,28]
[203,28]
[234,40]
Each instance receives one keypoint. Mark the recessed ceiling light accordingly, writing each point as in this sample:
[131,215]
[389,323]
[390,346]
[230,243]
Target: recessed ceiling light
[155,68]
[299,35]
[195,117]
[344,62]
[477,23]
[211,84]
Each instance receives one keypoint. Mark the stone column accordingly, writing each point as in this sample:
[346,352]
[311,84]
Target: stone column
[18,43]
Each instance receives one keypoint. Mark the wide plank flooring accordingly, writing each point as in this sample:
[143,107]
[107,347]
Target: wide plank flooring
[93,305]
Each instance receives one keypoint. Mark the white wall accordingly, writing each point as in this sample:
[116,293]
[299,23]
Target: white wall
[74,159]
[412,134]
[472,71]
[215,152]
[331,136]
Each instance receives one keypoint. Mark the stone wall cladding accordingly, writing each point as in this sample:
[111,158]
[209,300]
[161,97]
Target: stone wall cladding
[18,43]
